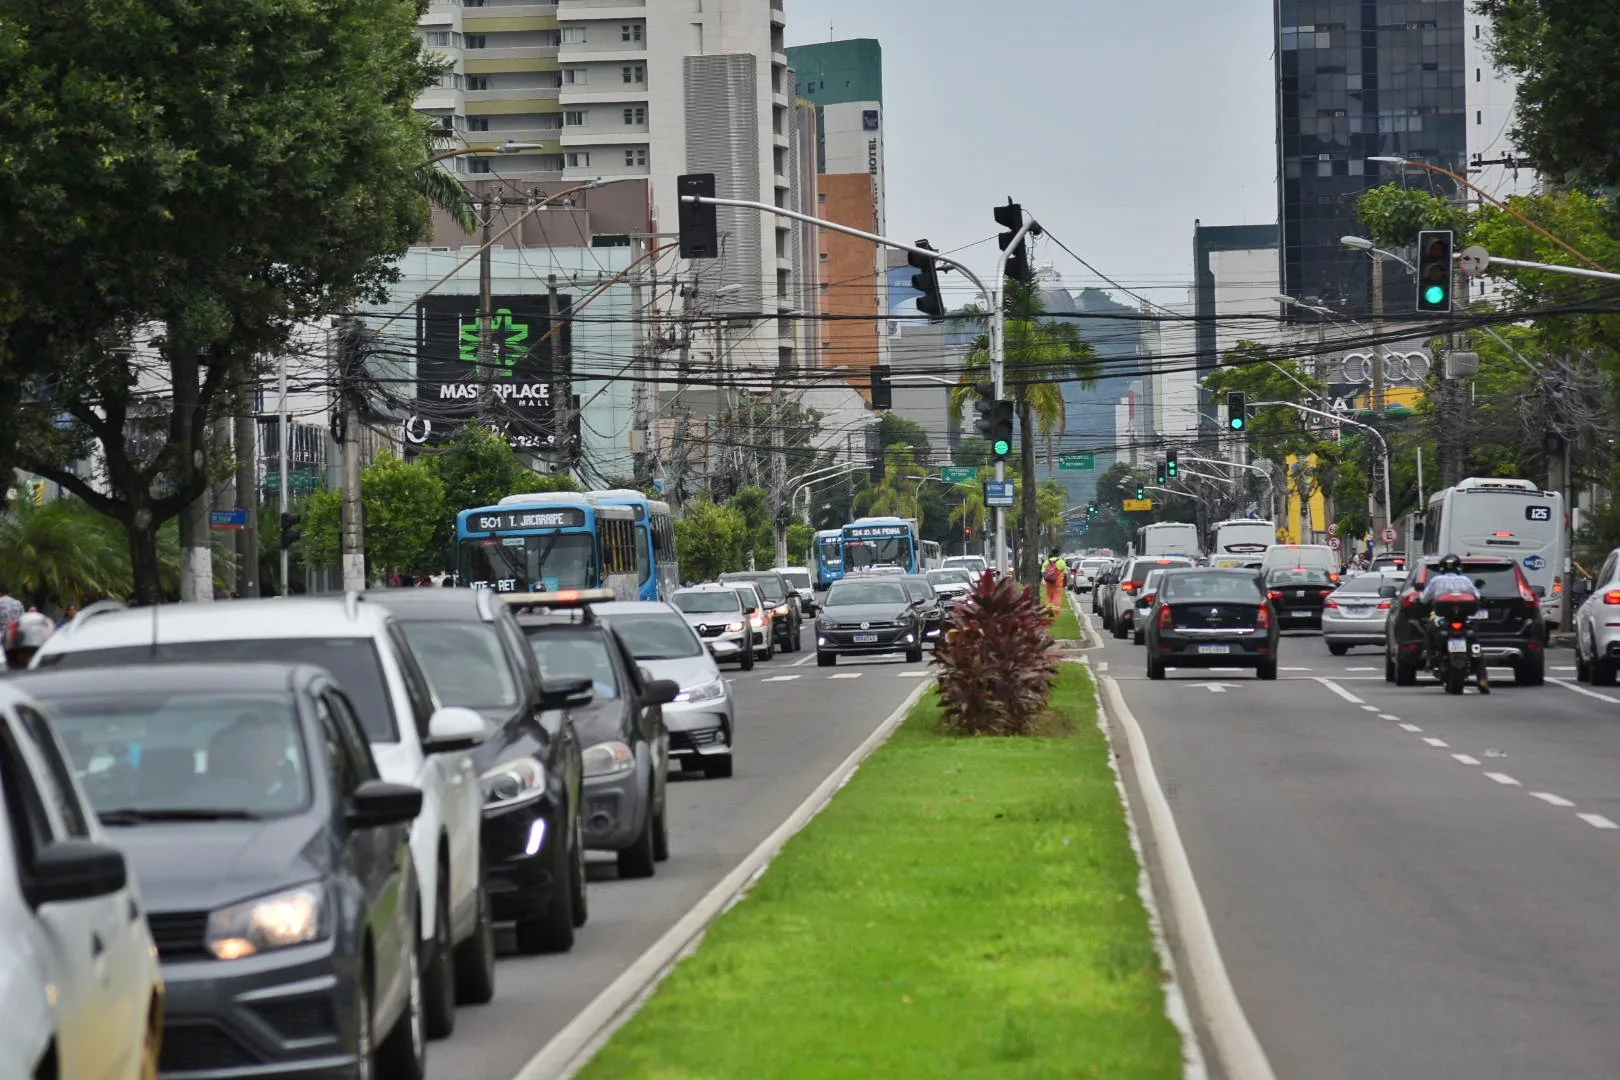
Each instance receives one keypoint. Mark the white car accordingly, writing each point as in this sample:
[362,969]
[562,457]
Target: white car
[1084,576]
[1122,601]
[81,992]
[975,565]
[414,741]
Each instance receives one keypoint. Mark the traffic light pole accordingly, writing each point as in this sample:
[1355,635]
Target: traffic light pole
[998,375]
[1389,507]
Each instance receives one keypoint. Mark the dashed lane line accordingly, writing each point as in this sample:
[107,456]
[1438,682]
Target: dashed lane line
[1341,691]
[780,678]
[846,675]
[804,661]
[1387,716]
[1598,821]
[1504,779]
[1361,669]
[914,674]
[1467,759]
[1432,741]
[1412,728]
[1550,799]
[1369,708]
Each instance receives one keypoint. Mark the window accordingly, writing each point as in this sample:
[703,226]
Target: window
[25,812]
[344,772]
[572,35]
[636,116]
[464,663]
[630,32]
[478,82]
[636,156]
[354,734]
[416,683]
[576,117]
[635,73]
[821,197]
[1479,116]
[478,165]
[579,159]
[57,787]
[438,38]
[449,80]
[574,77]
[477,123]
[477,41]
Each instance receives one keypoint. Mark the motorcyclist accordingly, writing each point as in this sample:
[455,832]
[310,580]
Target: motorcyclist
[24,638]
[1450,580]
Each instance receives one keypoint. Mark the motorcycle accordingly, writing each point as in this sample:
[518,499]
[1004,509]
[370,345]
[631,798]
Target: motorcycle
[1453,649]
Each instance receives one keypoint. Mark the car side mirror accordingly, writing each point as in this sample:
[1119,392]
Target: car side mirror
[1387,592]
[660,691]
[454,728]
[376,803]
[566,692]
[74,869]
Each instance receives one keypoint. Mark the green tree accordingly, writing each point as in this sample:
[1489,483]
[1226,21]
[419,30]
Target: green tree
[711,540]
[971,451]
[196,180]
[1395,214]
[61,553]
[404,506]
[1041,356]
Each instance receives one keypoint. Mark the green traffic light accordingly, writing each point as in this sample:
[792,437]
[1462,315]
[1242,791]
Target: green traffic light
[1237,423]
[1434,294]
[1001,448]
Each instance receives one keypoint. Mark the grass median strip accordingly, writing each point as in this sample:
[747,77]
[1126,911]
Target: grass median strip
[1066,627]
[963,908]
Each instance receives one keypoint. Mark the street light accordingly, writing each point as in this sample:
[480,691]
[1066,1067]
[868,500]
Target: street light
[510,146]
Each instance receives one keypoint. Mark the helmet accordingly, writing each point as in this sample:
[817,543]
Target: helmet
[30,631]
[1451,564]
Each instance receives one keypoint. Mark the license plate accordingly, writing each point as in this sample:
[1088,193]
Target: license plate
[865,639]
[1479,615]
[1214,650]
[1301,613]
[1456,645]
[1357,610]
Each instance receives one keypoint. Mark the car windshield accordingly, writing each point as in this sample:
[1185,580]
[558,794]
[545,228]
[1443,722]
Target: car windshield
[707,603]
[1299,575]
[464,663]
[1365,585]
[1151,582]
[849,593]
[657,636]
[572,653]
[918,588]
[1495,581]
[1141,570]
[531,563]
[185,754]
[749,599]
[799,579]
[950,577]
[770,586]
[352,661]
[1215,586]
[965,562]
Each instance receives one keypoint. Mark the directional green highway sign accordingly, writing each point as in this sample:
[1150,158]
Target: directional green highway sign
[1077,461]
[954,474]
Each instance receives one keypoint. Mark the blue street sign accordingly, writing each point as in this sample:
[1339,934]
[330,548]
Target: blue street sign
[227,519]
[998,493]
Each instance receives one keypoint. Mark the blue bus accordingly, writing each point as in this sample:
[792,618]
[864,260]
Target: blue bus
[656,562]
[828,548]
[880,541]
[546,542]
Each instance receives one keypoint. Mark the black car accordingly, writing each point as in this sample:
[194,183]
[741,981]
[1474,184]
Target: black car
[1509,625]
[928,603]
[869,615]
[1210,618]
[1297,595]
[626,745]
[474,656]
[275,864]
[786,619]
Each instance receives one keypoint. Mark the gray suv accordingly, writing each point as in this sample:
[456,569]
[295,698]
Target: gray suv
[715,613]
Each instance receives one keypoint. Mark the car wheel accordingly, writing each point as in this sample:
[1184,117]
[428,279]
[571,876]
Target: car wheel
[718,766]
[661,834]
[1453,679]
[1531,671]
[553,932]
[914,655]
[1405,674]
[770,646]
[1155,668]
[1119,629]
[637,860]
[826,659]
[475,957]
[1267,670]
[1389,667]
[403,1052]
[1583,667]
[1136,637]
[746,661]
[1603,672]
[1337,649]
[439,982]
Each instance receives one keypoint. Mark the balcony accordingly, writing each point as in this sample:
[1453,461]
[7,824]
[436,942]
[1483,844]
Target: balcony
[508,11]
[778,16]
[522,93]
[515,52]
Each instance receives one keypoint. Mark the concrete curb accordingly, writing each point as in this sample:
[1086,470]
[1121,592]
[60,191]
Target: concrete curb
[574,1046]
[1233,1045]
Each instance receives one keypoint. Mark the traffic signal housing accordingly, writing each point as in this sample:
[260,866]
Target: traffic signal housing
[700,232]
[1001,429]
[290,532]
[1237,414]
[1159,473]
[926,281]
[983,406]
[1141,491]
[1011,219]
[1435,247]
[882,390]
[1170,468]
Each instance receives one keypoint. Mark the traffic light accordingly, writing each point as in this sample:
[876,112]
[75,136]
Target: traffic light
[289,530]
[882,392]
[1170,469]
[1159,472]
[1237,417]
[1011,218]
[983,406]
[1141,492]
[700,233]
[1001,428]
[1434,270]
[1091,509]
[926,281]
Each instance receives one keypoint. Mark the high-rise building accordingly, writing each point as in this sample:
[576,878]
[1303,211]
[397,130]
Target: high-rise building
[1358,79]
[1491,106]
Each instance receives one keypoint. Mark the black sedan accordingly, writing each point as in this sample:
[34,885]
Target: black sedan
[1211,618]
[929,604]
[473,653]
[866,616]
[1297,594]
[275,864]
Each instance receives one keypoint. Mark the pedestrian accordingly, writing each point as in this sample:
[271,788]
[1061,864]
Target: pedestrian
[1053,574]
[67,615]
[11,609]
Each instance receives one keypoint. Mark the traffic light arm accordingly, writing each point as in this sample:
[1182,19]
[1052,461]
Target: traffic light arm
[1382,444]
[1551,268]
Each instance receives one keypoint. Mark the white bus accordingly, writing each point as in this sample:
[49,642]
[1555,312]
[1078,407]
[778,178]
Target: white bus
[1512,518]
[1168,538]
[1240,540]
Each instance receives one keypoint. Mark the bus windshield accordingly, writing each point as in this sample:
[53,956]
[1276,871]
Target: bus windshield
[832,551]
[531,563]
[890,550]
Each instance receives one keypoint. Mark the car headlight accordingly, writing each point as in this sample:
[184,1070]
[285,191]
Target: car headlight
[292,917]
[734,627]
[780,609]
[709,691]
[607,759]
[515,781]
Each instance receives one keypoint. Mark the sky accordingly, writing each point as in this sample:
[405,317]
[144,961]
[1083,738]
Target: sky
[1116,123]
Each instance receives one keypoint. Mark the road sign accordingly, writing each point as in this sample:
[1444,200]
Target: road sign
[1138,504]
[1077,461]
[1333,542]
[1474,260]
[998,493]
[1388,534]
[955,474]
[1333,528]
[227,519]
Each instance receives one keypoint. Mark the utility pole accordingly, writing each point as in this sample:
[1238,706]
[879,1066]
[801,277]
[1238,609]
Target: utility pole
[683,414]
[247,499]
[282,440]
[354,536]
[562,386]
[486,209]
[1381,513]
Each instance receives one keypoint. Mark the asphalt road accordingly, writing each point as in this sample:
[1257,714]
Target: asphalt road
[1402,883]
[796,722]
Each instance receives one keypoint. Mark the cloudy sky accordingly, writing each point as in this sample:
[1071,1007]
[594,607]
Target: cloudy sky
[1116,122]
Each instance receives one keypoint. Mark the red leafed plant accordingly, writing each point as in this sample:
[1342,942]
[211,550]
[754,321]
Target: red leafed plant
[995,660]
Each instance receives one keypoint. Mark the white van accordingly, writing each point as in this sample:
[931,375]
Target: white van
[1319,556]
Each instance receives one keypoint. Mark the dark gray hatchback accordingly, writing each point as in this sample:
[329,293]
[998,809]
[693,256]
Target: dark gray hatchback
[275,864]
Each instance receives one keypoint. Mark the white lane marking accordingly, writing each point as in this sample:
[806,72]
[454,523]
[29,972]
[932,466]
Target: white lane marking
[1216,687]
[1361,669]
[846,675]
[1411,727]
[1341,691]
[1467,759]
[1561,667]
[1102,665]
[1387,716]
[780,678]
[1504,779]
[1370,708]
[1588,693]
[1294,669]
[804,661]
[1598,821]
[914,674]
[1432,741]
[1550,798]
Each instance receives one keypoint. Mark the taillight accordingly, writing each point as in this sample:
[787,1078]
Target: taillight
[1128,586]
[1274,594]
[1325,592]
[1456,626]
[1384,605]
[1409,600]
[1147,598]
[1166,620]
[1612,596]
[1526,593]
[1263,620]
[1333,577]
[1334,604]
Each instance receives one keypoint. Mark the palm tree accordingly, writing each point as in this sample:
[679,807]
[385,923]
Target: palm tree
[970,511]
[1041,355]
[440,188]
[62,552]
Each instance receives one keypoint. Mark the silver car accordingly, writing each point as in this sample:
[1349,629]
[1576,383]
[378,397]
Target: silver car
[1597,627]
[1355,612]
[703,715]
[716,615]
[952,586]
[803,585]
[1144,604]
